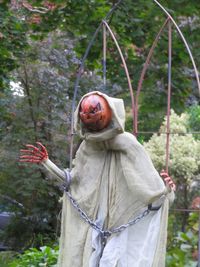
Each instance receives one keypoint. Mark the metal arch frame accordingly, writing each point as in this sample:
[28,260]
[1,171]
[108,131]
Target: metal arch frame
[78,76]
[144,70]
[169,18]
[184,41]
[105,26]
[124,64]
[169,21]
[169,89]
[104,23]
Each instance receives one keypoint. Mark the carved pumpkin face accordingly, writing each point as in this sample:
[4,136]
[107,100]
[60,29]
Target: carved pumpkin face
[95,112]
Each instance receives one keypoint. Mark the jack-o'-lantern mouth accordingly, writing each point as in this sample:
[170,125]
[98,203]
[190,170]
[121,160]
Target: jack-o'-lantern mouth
[95,112]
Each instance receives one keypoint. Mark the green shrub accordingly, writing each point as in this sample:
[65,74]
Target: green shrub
[183,246]
[194,120]
[33,257]
[6,257]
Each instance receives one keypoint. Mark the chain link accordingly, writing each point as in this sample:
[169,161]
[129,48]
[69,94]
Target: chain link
[105,233]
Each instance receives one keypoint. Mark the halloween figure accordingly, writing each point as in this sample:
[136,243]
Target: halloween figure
[115,204]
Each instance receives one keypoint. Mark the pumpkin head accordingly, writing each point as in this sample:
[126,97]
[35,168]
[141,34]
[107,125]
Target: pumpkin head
[95,112]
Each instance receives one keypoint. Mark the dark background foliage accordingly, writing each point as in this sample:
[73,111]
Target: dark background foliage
[41,53]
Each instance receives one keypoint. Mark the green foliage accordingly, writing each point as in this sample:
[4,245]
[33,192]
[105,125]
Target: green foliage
[40,113]
[45,256]
[45,51]
[135,31]
[184,160]
[6,257]
[12,43]
[184,149]
[135,25]
[194,120]
[182,246]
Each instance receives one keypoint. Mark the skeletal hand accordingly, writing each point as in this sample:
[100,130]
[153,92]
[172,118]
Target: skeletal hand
[34,154]
[168,180]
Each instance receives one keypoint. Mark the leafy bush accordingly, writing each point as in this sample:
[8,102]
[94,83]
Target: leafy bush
[194,119]
[182,247]
[184,149]
[184,158]
[6,257]
[184,167]
[33,257]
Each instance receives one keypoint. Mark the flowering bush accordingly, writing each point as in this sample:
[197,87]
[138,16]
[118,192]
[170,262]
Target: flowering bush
[184,166]
[184,159]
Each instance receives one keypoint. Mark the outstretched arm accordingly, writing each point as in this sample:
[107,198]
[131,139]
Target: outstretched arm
[38,154]
[51,167]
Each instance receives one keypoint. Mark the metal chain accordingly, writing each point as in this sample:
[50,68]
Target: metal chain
[132,222]
[104,233]
[83,215]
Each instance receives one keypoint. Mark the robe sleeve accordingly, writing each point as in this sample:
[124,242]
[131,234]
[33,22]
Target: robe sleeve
[52,168]
[140,174]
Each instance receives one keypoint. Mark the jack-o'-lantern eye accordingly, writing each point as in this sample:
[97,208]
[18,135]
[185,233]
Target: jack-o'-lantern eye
[95,112]
[98,107]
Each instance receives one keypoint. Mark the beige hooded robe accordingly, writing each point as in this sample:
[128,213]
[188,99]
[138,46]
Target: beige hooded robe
[113,180]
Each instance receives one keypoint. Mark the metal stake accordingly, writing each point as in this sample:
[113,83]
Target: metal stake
[104,55]
[169,92]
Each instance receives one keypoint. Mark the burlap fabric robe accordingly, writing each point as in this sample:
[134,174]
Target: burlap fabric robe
[113,179]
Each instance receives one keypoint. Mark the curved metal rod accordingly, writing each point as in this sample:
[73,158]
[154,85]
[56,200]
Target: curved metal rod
[125,68]
[81,68]
[169,94]
[144,70]
[104,55]
[185,42]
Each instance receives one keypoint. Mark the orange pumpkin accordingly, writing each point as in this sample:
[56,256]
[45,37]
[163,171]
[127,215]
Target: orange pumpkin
[95,112]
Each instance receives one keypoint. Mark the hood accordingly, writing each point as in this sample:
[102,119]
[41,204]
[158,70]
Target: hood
[115,127]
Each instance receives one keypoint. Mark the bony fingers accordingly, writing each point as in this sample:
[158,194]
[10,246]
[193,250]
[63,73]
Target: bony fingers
[26,151]
[34,148]
[30,146]
[30,160]
[41,146]
[35,152]
[23,160]
[164,174]
[167,179]
[43,149]
[174,187]
[29,157]
[171,184]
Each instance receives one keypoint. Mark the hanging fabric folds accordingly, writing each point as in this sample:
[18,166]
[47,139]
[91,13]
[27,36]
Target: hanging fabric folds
[113,180]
